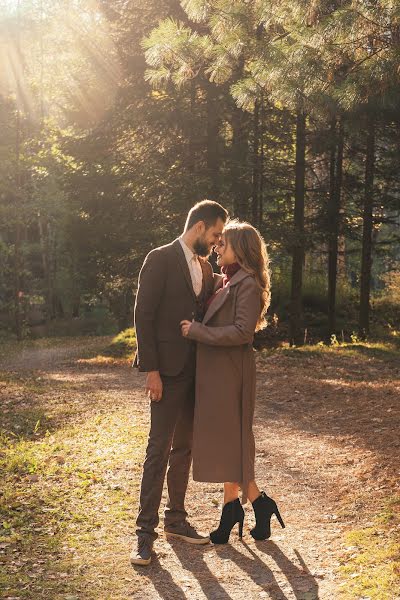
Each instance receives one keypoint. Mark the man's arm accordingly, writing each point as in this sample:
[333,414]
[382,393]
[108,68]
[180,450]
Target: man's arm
[151,285]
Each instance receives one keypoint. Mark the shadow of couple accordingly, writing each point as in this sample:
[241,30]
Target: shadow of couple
[194,561]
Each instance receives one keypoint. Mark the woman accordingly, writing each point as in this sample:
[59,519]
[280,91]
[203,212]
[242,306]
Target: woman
[223,441]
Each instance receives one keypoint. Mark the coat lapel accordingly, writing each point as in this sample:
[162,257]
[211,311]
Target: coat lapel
[183,263]
[207,277]
[216,304]
[221,297]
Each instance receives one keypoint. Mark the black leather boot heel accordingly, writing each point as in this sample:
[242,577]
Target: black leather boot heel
[232,513]
[264,508]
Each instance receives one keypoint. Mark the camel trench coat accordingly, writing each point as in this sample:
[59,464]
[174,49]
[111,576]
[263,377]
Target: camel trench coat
[223,440]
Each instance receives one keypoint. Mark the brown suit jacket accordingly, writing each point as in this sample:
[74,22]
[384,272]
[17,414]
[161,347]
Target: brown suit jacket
[164,298]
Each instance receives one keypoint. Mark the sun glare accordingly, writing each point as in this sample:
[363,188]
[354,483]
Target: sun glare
[57,61]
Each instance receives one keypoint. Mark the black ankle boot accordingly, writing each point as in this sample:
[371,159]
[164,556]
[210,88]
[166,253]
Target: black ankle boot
[232,513]
[264,508]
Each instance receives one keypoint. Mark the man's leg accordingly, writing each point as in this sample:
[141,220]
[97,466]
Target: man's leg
[164,416]
[175,523]
[180,460]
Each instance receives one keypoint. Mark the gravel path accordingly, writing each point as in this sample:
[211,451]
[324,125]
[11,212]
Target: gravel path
[324,452]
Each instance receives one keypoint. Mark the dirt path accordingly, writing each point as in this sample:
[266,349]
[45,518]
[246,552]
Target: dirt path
[327,442]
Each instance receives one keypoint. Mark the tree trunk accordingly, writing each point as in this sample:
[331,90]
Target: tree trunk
[17,283]
[366,258]
[239,188]
[45,246]
[341,248]
[336,173]
[239,156]
[261,162]
[76,307]
[121,308]
[212,139]
[255,199]
[18,235]
[59,306]
[298,250]
[18,209]
[191,148]
[124,320]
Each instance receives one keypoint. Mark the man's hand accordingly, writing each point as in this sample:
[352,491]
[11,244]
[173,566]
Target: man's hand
[154,386]
[185,326]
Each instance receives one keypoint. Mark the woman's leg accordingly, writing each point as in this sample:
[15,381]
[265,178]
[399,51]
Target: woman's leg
[252,491]
[232,513]
[231,491]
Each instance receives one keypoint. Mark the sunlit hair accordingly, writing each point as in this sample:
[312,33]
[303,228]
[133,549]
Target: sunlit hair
[251,254]
[207,211]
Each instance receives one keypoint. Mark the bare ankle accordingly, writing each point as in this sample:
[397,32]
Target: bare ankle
[228,499]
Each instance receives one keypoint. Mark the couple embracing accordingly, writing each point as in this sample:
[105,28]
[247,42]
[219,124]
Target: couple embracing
[194,332]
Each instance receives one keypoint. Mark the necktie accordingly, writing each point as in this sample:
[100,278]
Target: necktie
[196,275]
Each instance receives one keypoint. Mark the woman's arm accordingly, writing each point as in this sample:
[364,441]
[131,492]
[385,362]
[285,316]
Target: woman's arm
[247,312]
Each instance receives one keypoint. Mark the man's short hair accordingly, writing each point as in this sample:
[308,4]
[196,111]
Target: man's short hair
[207,211]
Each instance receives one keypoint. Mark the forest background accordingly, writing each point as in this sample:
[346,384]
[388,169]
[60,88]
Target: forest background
[117,117]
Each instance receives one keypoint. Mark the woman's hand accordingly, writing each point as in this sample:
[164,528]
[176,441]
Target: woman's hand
[185,326]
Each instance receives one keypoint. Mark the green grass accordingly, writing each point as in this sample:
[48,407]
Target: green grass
[381,350]
[121,349]
[371,565]
[68,494]
[122,345]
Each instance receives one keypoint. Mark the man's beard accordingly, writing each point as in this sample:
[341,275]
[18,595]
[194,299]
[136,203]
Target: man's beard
[201,247]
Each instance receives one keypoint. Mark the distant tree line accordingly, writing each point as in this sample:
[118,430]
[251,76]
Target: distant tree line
[287,113]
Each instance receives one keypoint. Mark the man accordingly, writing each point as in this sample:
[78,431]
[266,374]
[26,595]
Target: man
[175,283]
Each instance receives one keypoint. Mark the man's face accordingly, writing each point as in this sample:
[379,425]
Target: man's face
[208,237]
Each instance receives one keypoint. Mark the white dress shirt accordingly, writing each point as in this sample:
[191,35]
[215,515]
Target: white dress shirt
[195,270]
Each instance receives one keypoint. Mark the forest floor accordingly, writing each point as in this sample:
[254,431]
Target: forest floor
[73,439]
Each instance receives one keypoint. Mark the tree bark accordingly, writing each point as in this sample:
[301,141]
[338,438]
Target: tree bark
[191,158]
[261,162]
[46,249]
[18,209]
[239,156]
[212,139]
[76,306]
[239,185]
[336,175]
[17,245]
[366,257]
[298,250]
[255,199]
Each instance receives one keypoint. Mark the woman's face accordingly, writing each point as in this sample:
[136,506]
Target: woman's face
[225,254]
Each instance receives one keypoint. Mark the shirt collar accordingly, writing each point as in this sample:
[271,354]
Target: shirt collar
[189,254]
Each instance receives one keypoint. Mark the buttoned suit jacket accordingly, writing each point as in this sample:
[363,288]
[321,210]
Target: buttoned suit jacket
[165,297]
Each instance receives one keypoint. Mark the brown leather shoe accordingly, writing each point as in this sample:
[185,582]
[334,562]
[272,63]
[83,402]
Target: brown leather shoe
[141,553]
[184,531]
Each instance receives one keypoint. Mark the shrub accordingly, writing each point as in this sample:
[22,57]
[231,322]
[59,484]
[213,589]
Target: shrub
[122,345]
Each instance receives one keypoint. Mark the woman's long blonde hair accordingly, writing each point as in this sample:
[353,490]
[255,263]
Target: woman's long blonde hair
[251,254]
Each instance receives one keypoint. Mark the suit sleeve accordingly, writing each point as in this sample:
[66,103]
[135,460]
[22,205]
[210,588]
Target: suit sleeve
[151,285]
[241,331]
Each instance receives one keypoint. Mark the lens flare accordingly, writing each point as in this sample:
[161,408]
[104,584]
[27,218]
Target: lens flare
[58,60]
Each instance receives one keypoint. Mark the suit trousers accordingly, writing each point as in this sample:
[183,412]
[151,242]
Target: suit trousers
[169,445]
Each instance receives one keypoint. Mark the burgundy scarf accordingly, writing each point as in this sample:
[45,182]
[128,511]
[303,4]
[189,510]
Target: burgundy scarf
[228,272]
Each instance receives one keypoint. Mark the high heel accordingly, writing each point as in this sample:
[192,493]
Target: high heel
[264,508]
[232,513]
